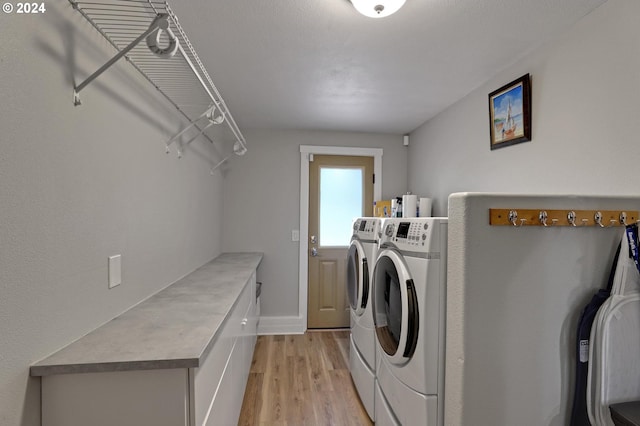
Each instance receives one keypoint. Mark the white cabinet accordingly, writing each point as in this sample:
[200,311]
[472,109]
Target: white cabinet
[208,395]
[220,383]
[152,397]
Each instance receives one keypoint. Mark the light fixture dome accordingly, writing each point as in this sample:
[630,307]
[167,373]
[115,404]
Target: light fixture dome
[377,8]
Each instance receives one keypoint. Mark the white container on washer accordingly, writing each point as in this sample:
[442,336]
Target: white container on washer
[409,205]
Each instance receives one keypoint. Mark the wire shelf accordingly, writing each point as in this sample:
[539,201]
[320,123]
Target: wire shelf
[182,79]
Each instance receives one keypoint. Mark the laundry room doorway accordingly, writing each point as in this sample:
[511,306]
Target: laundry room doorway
[340,188]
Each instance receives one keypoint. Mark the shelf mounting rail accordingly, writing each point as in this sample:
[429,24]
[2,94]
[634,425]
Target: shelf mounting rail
[178,75]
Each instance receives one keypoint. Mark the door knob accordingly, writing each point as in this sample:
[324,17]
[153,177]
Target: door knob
[314,252]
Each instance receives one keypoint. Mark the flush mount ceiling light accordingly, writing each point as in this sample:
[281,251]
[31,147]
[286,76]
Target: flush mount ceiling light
[377,8]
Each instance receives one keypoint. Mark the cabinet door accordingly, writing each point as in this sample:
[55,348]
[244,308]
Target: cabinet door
[224,410]
[248,340]
[124,398]
[220,382]
[207,379]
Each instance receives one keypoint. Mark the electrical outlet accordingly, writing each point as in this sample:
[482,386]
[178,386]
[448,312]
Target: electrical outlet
[115,270]
[295,235]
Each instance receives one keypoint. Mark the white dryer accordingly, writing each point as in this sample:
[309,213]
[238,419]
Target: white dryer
[360,262]
[409,294]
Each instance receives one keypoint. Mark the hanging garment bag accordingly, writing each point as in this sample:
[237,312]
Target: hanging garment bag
[614,353]
[579,415]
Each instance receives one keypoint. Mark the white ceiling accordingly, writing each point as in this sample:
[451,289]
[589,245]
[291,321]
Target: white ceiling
[318,64]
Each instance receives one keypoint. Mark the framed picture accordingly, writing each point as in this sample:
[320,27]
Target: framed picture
[510,113]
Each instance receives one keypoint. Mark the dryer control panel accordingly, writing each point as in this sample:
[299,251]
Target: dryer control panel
[367,228]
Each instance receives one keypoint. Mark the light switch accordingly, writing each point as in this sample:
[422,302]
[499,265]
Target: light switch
[295,235]
[115,270]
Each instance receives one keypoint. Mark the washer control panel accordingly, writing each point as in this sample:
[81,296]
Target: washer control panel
[410,233]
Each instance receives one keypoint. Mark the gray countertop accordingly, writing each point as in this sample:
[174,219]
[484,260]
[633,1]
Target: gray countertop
[174,328]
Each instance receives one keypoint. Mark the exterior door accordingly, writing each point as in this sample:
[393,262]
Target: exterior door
[340,190]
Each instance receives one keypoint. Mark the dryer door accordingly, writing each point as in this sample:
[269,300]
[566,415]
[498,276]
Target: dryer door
[357,277]
[395,307]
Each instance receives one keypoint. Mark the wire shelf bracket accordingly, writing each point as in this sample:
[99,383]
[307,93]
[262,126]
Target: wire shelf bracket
[176,70]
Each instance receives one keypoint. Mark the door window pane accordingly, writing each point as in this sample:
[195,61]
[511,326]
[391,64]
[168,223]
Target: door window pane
[340,203]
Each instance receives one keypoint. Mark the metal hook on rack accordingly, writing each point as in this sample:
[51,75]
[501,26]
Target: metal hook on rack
[623,218]
[543,218]
[598,219]
[513,217]
[571,218]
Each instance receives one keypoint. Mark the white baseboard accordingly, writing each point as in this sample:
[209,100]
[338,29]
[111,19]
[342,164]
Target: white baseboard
[281,325]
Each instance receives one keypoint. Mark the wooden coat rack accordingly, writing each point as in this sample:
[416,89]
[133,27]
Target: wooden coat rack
[573,218]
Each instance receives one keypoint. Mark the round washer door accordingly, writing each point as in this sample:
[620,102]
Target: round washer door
[395,307]
[357,277]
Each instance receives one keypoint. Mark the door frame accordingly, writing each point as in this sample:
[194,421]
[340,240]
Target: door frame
[305,152]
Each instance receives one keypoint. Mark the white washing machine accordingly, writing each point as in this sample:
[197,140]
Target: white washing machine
[360,262]
[409,294]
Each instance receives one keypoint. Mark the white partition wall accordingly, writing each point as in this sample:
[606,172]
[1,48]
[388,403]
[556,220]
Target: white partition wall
[513,300]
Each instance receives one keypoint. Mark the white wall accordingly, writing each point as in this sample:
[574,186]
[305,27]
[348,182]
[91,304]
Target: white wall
[78,184]
[262,202]
[585,91]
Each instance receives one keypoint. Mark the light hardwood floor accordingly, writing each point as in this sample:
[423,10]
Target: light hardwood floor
[302,380]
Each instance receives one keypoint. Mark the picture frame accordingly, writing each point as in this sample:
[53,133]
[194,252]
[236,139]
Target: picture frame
[510,113]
